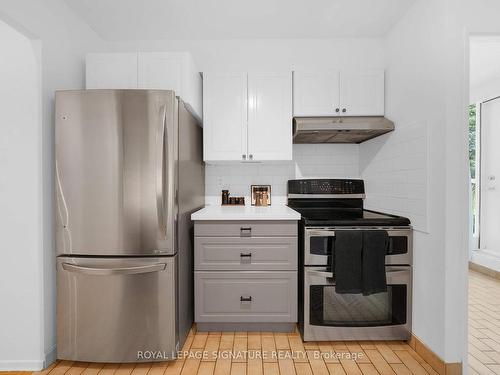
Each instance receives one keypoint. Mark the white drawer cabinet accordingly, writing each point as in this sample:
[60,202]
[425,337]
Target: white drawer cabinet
[147,70]
[245,278]
[247,117]
[339,93]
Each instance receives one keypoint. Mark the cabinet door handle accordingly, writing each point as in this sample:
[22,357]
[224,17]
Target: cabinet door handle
[250,156]
[244,157]
[344,110]
[246,299]
[246,255]
[246,231]
[337,110]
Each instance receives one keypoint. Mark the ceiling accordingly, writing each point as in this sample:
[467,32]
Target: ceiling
[484,59]
[233,19]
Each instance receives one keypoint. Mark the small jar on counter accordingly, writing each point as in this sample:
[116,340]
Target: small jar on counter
[225,196]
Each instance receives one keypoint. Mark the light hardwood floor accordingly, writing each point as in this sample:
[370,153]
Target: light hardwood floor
[378,357]
[484,324]
[313,358]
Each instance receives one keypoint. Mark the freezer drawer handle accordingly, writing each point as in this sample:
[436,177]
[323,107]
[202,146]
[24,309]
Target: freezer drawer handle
[246,299]
[114,271]
[246,255]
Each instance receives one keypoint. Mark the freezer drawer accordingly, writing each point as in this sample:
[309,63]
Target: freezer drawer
[116,309]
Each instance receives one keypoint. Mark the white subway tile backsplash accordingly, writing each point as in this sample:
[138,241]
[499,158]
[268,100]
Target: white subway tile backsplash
[395,169]
[309,161]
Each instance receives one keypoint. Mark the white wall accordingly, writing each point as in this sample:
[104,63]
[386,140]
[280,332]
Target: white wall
[484,67]
[463,18]
[485,91]
[427,84]
[402,167]
[64,39]
[283,54]
[21,314]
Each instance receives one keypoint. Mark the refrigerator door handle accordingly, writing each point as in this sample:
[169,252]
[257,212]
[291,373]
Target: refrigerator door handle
[160,175]
[169,149]
[113,271]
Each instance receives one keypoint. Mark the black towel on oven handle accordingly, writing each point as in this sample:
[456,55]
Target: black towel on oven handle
[375,244]
[347,261]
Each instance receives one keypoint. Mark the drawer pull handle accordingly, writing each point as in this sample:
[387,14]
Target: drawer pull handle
[246,299]
[246,255]
[245,231]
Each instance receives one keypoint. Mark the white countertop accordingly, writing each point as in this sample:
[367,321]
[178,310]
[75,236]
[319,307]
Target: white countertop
[277,212]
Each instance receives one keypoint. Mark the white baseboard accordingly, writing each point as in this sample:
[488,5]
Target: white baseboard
[486,259]
[27,365]
[21,365]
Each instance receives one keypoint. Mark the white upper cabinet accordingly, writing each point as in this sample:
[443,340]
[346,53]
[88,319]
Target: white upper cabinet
[156,70]
[362,93]
[171,71]
[247,117]
[111,71]
[270,116]
[225,116]
[147,70]
[316,93]
[339,93]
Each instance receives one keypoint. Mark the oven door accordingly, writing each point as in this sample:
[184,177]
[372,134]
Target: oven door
[320,245]
[381,316]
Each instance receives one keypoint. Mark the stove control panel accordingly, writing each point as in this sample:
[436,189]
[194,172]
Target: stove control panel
[326,186]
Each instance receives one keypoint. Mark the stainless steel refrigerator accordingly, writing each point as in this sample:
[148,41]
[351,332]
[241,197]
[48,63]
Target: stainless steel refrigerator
[129,173]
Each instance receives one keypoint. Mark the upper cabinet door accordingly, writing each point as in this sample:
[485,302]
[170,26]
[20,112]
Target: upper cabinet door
[159,70]
[316,93]
[225,116]
[362,93]
[172,71]
[111,71]
[270,116]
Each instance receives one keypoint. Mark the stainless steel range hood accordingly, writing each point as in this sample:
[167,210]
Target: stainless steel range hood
[339,129]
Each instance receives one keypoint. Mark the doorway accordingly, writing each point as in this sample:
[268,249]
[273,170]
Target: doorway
[484,151]
[484,167]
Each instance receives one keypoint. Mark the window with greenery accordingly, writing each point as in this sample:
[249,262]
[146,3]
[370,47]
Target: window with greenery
[472,140]
[472,164]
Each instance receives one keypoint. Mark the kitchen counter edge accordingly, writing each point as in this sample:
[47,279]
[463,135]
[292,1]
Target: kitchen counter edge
[279,212]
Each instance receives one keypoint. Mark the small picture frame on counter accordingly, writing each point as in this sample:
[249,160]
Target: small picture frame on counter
[261,195]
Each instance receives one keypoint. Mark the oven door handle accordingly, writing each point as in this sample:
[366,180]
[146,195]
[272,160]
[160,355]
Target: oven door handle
[331,232]
[320,273]
[396,270]
[390,271]
[320,233]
